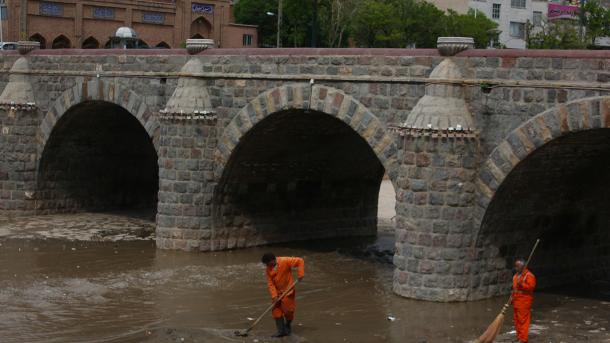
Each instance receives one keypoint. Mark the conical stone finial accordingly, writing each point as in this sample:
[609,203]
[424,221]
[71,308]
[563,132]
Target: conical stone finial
[18,93]
[443,107]
[190,99]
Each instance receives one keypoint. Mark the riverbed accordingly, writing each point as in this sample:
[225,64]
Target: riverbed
[89,286]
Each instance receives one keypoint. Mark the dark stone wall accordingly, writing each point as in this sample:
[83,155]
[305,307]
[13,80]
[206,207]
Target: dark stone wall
[297,175]
[18,159]
[98,158]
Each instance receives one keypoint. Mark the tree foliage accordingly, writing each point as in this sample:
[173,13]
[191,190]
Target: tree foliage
[559,34]
[254,12]
[366,23]
[595,18]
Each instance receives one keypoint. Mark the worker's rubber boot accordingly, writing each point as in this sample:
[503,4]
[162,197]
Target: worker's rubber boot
[288,327]
[281,328]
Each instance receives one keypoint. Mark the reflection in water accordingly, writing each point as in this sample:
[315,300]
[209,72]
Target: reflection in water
[60,291]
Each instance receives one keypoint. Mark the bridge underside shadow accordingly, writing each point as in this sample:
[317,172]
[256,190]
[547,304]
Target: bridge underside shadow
[297,175]
[98,158]
[560,195]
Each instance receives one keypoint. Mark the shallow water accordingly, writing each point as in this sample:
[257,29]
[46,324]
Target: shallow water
[59,290]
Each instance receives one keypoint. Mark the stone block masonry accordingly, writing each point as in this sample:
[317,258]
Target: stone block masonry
[236,148]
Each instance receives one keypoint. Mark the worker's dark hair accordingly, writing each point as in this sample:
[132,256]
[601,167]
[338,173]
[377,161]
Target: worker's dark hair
[268,257]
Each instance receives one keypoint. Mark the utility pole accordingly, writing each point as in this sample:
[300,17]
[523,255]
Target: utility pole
[2,13]
[279,23]
[314,25]
[23,16]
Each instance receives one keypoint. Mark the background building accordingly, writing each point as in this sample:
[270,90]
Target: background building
[89,24]
[460,6]
[512,17]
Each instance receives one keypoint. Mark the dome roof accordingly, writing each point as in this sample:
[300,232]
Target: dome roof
[125,32]
[443,107]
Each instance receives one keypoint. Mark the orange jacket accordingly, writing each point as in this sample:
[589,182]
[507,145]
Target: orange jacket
[523,286]
[279,278]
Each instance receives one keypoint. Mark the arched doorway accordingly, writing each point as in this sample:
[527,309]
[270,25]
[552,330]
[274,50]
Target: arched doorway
[98,157]
[162,45]
[61,42]
[201,28]
[91,43]
[37,37]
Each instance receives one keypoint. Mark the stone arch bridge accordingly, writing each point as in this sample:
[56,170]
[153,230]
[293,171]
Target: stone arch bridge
[487,150]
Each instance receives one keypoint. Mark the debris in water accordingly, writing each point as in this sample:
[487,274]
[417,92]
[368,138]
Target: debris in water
[391,318]
[337,324]
[250,318]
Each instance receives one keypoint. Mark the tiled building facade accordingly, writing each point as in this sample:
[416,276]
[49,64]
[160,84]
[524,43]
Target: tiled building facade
[90,23]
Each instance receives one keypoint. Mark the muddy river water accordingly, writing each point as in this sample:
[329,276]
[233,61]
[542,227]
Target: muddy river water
[82,285]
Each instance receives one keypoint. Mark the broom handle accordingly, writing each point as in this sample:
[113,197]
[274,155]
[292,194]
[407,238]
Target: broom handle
[510,299]
[272,305]
[532,253]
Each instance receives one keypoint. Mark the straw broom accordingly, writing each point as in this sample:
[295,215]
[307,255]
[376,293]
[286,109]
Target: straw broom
[493,330]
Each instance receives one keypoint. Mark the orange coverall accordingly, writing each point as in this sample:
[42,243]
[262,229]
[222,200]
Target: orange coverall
[279,279]
[523,295]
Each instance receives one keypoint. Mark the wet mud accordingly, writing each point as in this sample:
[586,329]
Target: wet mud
[73,287]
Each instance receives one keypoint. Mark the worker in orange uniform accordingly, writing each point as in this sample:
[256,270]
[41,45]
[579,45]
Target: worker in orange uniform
[279,279]
[524,283]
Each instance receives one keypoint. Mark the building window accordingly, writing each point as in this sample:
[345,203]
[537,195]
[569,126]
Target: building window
[103,12]
[51,9]
[517,3]
[537,19]
[517,30]
[247,40]
[495,11]
[153,18]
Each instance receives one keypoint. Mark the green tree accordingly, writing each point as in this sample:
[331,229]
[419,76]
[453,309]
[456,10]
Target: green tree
[254,12]
[369,23]
[375,25]
[422,23]
[595,18]
[335,21]
[475,25]
[558,34]
[296,23]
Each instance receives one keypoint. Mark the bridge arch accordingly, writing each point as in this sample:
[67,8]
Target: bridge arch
[287,162]
[546,179]
[97,148]
[99,90]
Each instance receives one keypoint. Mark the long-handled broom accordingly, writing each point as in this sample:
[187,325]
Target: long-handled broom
[245,332]
[494,328]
